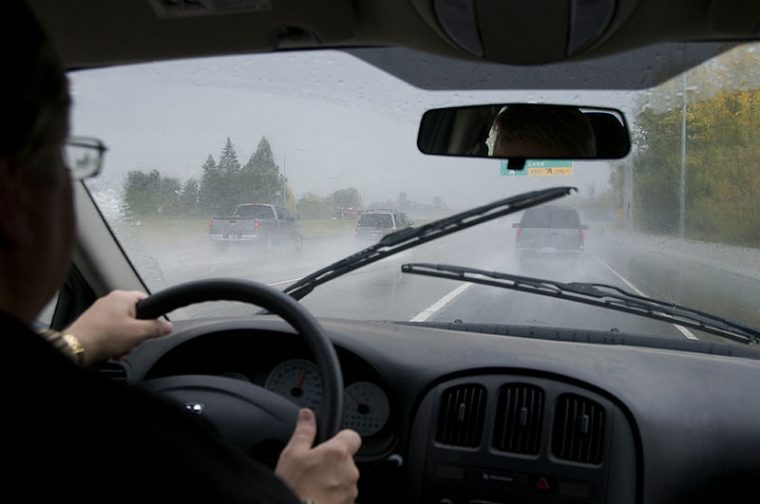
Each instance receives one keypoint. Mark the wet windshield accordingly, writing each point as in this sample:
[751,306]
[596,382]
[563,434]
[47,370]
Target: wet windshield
[330,139]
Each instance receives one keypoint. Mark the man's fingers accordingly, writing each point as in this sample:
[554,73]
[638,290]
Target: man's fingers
[348,438]
[152,328]
[304,433]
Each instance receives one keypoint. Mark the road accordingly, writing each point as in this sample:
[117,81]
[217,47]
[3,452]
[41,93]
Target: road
[381,292]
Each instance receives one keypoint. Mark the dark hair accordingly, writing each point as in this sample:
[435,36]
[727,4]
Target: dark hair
[557,128]
[34,97]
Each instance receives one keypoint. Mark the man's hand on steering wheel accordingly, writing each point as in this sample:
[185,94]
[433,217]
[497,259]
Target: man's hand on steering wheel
[325,473]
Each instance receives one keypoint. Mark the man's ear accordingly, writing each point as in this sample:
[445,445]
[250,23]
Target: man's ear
[15,225]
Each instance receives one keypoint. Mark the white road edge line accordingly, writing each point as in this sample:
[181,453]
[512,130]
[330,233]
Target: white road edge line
[638,291]
[433,308]
[285,282]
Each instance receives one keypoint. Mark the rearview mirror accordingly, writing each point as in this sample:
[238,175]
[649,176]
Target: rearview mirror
[519,131]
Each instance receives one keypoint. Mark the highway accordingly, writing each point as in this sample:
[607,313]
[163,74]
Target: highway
[381,292]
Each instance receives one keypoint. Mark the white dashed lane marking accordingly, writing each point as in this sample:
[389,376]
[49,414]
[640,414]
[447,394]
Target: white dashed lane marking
[294,280]
[438,305]
[687,333]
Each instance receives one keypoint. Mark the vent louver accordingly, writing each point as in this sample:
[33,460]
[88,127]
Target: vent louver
[578,429]
[461,416]
[519,419]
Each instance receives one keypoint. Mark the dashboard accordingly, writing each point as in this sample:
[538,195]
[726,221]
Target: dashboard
[452,417]
[280,362]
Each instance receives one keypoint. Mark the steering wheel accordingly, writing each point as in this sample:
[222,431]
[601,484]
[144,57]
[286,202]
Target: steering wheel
[247,414]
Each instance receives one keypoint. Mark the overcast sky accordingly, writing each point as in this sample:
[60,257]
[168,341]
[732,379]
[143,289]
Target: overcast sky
[333,121]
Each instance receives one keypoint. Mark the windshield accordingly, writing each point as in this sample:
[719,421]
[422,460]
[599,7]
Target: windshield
[330,137]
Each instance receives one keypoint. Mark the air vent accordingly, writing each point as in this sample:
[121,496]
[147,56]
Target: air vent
[112,371]
[519,419]
[460,419]
[578,429]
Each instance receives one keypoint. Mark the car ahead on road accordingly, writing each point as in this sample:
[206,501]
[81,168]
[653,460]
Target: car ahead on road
[257,223]
[632,380]
[376,223]
[548,232]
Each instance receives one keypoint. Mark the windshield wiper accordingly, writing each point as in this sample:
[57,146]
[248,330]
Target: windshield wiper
[596,294]
[404,239]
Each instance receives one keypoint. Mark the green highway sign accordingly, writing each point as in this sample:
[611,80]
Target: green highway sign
[539,168]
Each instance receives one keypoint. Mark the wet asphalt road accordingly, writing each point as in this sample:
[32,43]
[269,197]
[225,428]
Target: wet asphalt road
[381,292]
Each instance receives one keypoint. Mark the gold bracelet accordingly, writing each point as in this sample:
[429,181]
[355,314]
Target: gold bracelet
[77,350]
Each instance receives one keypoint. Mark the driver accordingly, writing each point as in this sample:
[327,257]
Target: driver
[68,433]
[540,131]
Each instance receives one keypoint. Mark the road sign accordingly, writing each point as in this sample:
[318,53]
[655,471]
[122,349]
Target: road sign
[539,168]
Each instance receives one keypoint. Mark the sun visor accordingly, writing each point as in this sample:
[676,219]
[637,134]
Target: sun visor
[326,21]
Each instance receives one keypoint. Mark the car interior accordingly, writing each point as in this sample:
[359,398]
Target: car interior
[458,411]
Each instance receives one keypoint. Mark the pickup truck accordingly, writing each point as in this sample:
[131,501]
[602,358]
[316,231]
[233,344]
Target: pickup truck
[257,223]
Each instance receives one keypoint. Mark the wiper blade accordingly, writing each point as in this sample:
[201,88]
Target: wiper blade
[596,294]
[404,239]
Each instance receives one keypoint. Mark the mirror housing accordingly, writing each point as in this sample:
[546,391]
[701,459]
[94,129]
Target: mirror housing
[520,131]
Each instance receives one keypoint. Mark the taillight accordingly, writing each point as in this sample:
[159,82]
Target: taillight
[256,224]
[581,235]
[518,234]
[210,225]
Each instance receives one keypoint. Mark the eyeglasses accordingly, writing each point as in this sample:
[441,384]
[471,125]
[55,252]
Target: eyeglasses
[84,156]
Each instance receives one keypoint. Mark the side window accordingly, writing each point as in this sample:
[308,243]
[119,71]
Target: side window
[400,220]
[45,317]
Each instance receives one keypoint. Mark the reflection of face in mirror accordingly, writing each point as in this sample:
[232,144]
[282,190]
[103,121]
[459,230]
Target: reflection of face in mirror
[539,131]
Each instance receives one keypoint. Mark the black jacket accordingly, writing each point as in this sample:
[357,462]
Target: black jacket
[70,435]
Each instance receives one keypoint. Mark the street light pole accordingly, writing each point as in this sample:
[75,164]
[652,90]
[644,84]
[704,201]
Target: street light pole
[284,181]
[682,191]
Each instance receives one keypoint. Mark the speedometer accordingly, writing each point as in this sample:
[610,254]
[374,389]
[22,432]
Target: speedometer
[297,380]
[365,408]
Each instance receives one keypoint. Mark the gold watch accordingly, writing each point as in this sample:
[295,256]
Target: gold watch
[75,346]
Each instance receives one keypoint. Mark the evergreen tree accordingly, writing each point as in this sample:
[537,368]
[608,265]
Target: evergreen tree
[210,190]
[189,197]
[260,179]
[228,160]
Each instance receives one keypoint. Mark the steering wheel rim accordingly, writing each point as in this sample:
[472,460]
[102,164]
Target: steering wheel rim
[329,416]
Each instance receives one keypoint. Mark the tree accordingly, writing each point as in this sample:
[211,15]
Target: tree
[210,190]
[438,204]
[228,160]
[147,193]
[311,206]
[260,179]
[189,197]
[722,146]
[347,198]
[403,201]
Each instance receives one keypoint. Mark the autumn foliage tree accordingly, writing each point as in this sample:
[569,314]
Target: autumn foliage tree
[722,160]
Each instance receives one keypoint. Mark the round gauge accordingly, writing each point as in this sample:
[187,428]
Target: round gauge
[365,408]
[297,380]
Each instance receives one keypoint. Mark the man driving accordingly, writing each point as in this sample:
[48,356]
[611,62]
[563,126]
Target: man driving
[70,433]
